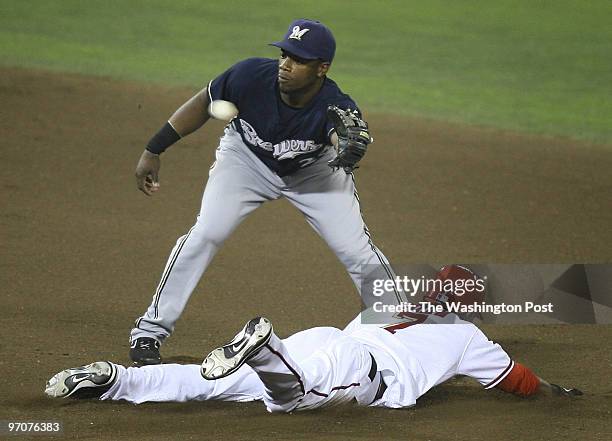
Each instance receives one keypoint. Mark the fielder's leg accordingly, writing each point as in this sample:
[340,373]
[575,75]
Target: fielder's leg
[234,190]
[329,201]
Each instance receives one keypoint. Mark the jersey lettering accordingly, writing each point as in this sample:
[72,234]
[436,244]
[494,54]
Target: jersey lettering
[411,319]
[287,149]
[279,135]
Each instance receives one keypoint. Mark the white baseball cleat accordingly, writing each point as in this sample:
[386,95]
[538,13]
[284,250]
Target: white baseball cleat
[82,382]
[227,359]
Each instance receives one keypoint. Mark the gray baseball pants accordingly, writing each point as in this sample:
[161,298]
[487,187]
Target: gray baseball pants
[239,183]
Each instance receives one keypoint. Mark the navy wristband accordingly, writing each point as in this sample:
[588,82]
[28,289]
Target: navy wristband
[163,139]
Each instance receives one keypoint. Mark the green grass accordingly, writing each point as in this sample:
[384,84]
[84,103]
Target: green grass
[537,66]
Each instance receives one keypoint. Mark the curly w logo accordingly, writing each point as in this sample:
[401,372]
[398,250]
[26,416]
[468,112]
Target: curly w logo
[297,33]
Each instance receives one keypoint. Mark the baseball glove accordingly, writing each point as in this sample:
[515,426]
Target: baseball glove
[353,138]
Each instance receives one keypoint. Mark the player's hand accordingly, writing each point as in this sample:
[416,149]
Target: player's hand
[564,391]
[147,173]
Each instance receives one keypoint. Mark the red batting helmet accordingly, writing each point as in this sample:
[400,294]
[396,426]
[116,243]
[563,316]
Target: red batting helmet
[457,284]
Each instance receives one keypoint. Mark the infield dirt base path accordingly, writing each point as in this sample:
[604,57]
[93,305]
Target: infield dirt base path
[83,250]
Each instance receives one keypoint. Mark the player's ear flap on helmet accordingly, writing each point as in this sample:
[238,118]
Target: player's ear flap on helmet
[457,284]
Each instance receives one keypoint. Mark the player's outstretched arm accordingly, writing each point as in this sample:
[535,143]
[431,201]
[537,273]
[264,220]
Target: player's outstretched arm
[523,382]
[187,119]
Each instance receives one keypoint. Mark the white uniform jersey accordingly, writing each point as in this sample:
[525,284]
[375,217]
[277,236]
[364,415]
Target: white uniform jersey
[417,351]
[325,366]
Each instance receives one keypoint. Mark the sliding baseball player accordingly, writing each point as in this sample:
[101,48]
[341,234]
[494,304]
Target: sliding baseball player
[389,365]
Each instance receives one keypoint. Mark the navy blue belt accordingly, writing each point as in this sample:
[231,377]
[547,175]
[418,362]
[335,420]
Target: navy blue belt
[382,387]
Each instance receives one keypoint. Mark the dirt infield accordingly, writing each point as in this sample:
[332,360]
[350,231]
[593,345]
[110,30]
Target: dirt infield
[82,251]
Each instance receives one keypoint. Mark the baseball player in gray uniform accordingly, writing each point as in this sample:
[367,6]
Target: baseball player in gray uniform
[280,144]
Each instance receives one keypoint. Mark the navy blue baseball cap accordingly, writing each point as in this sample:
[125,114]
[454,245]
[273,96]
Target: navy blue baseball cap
[308,39]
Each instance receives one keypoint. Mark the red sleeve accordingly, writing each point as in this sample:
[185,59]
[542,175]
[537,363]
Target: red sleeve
[520,381]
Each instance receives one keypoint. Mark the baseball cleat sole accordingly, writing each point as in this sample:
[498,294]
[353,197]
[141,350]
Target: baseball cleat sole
[227,359]
[82,382]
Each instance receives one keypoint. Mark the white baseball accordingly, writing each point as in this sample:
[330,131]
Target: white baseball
[223,110]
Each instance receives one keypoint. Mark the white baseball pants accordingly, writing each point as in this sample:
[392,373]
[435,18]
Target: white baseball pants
[315,368]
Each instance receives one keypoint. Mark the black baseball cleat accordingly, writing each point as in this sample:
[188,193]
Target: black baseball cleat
[228,358]
[145,351]
[89,381]
[565,392]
